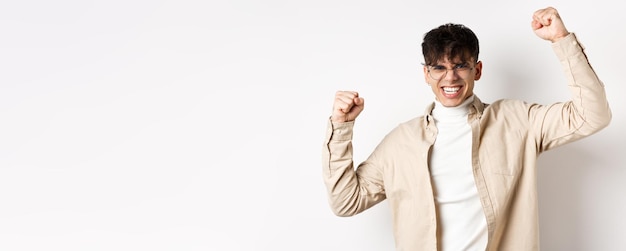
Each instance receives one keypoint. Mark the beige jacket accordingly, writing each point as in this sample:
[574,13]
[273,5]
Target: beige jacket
[507,138]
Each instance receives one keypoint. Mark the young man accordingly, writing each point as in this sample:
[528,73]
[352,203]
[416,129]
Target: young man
[463,175]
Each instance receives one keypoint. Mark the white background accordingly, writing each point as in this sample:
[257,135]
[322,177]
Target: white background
[198,125]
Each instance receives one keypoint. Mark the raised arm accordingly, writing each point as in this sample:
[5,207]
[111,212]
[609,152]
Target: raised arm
[349,191]
[588,111]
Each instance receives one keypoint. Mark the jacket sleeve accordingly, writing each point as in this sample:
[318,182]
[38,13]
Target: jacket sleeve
[588,110]
[350,191]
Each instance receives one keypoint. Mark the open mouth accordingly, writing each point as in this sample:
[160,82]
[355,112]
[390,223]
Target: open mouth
[451,90]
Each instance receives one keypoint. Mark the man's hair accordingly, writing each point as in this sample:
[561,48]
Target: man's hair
[451,41]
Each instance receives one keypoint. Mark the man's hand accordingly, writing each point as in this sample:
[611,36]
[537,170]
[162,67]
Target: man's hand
[348,105]
[547,24]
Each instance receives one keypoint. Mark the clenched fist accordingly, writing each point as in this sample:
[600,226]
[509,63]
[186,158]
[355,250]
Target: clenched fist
[348,105]
[547,24]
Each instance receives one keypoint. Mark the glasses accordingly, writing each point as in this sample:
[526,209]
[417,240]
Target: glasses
[438,72]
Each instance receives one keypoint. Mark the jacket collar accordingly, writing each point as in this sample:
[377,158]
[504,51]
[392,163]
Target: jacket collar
[476,109]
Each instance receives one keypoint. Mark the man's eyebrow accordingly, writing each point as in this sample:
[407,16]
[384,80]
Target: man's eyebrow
[454,64]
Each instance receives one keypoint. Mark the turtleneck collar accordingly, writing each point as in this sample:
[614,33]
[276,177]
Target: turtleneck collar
[441,112]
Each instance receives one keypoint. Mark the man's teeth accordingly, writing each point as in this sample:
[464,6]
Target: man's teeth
[451,89]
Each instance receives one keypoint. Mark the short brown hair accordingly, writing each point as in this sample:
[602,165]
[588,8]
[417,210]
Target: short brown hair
[451,41]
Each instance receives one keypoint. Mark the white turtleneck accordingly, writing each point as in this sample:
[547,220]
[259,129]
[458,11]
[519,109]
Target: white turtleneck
[462,224]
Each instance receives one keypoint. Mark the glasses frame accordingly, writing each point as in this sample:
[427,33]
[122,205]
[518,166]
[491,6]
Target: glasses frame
[454,70]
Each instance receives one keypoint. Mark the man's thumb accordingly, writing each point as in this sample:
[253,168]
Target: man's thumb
[359,101]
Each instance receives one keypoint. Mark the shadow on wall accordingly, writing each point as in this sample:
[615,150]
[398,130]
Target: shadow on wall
[568,187]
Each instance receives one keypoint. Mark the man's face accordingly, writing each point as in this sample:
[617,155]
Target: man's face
[452,82]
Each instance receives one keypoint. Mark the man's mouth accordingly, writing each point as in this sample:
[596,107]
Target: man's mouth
[451,89]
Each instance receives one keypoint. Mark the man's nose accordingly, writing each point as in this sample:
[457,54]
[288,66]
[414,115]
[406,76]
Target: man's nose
[450,74]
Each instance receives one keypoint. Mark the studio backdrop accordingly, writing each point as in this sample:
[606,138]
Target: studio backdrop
[198,125]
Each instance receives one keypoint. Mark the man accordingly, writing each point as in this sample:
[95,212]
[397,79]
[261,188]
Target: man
[463,176]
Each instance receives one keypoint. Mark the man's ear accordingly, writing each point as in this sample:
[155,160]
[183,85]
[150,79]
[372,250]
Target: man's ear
[425,74]
[479,70]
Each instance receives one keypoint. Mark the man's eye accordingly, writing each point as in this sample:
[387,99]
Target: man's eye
[461,66]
